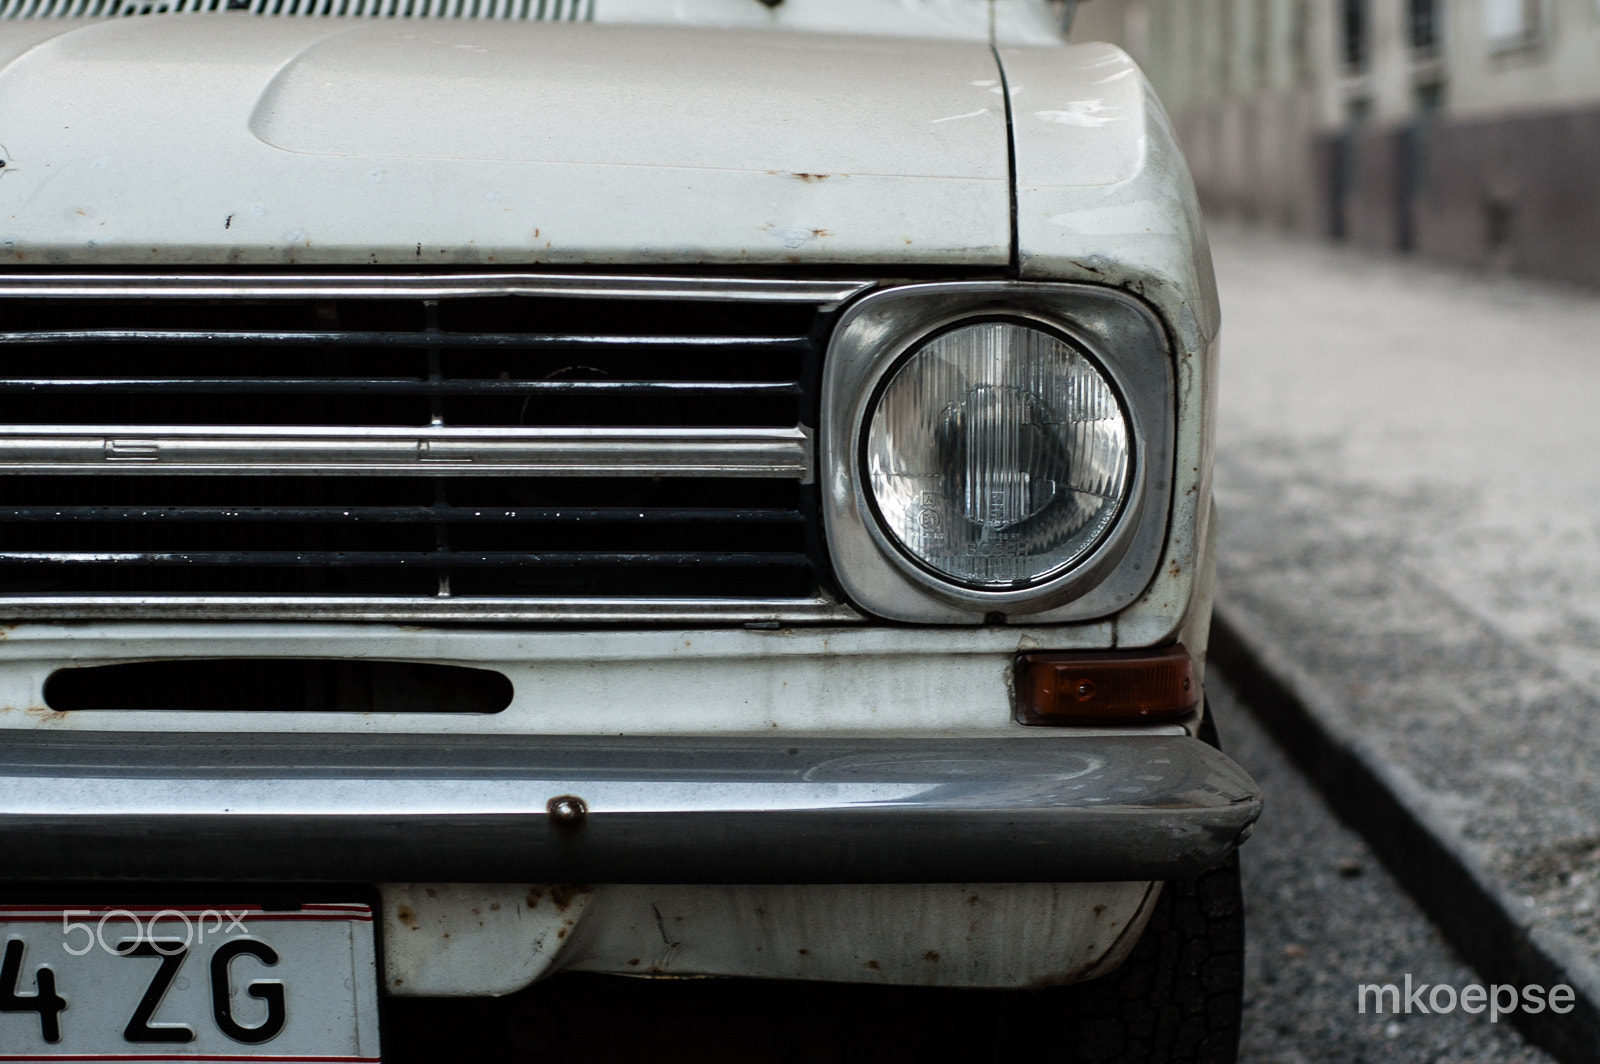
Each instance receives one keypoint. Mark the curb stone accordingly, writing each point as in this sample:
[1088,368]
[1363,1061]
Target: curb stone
[1378,798]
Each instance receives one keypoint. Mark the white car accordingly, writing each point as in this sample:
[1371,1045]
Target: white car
[498,489]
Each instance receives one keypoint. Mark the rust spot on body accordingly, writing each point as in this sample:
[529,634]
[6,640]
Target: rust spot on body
[533,898]
[811,179]
[871,964]
[932,956]
[563,893]
[408,916]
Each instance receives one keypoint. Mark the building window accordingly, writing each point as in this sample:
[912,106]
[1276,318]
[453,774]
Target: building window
[1353,24]
[1424,25]
[1513,23]
[1429,100]
[1300,40]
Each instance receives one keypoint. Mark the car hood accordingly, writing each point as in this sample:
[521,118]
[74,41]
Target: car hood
[229,138]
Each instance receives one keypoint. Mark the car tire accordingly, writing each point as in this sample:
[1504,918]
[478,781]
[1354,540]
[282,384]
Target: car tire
[1179,996]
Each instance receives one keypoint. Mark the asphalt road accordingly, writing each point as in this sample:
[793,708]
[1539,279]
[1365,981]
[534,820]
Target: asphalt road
[1323,917]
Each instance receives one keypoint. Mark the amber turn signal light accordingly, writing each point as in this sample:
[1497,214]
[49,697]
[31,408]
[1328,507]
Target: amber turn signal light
[1114,687]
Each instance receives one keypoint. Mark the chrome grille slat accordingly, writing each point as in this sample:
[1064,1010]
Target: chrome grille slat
[403,609]
[826,295]
[412,447]
[424,339]
[396,514]
[401,386]
[542,10]
[444,559]
[325,451]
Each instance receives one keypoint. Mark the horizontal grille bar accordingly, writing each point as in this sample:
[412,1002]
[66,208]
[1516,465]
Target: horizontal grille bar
[397,386]
[496,10]
[400,609]
[401,515]
[422,339]
[826,295]
[414,559]
[584,452]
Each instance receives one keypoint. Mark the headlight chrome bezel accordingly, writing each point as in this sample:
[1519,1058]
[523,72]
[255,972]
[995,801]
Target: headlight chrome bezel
[877,334]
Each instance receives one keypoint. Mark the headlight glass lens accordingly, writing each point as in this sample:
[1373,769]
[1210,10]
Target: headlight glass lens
[998,455]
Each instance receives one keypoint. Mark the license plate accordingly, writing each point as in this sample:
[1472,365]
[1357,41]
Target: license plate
[212,983]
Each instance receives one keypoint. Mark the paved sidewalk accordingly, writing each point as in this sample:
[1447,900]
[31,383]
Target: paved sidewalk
[1409,489]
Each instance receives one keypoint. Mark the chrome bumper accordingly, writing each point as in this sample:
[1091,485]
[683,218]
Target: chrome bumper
[769,809]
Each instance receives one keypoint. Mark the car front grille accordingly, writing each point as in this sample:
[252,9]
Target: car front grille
[499,10]
[412,447]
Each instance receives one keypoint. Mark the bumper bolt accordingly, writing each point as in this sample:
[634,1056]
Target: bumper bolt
[567,811]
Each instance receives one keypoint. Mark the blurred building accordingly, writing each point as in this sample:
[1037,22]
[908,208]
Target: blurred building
[1465,129]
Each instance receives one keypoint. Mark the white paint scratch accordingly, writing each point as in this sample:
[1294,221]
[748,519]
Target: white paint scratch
[792,236]
[1088,114]
[956,118]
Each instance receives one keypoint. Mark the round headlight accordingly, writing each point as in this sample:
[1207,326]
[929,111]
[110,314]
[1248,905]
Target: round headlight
[998,455]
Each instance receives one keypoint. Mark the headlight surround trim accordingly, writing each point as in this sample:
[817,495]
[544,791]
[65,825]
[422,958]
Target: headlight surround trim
[880,331]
